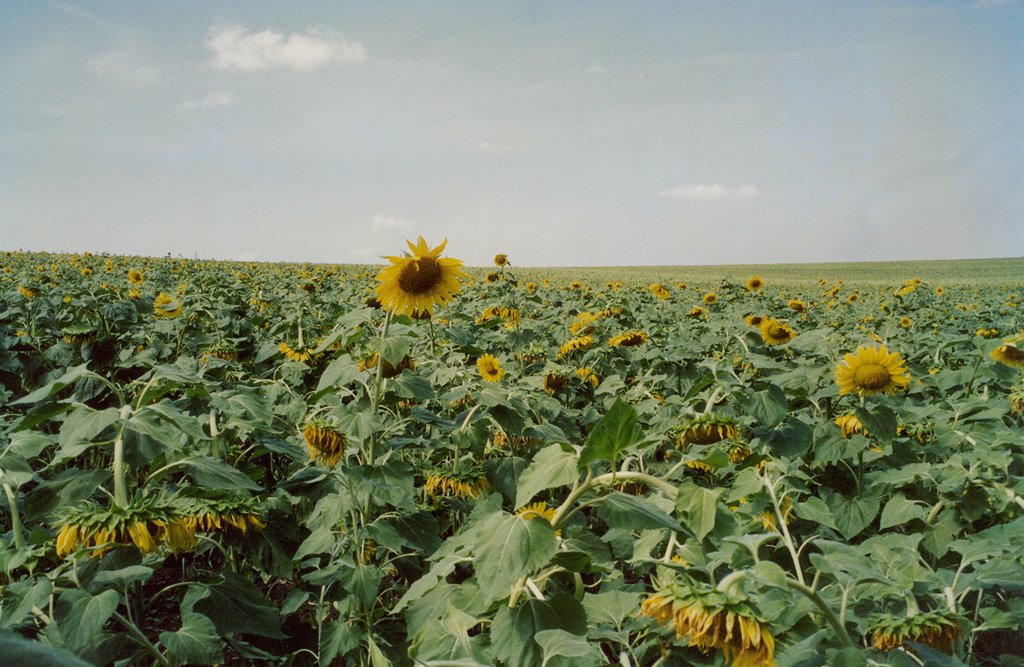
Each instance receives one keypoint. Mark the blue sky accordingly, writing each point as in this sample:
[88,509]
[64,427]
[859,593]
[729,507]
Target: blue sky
[560,133]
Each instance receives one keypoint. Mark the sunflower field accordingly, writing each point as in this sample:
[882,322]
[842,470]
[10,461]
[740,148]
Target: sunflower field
[210,463]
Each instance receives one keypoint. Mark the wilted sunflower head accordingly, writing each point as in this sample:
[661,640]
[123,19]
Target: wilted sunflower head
[419,281]
[222,515]
[145,523]
[555,383]
[710,619]
[629,339]
[774,332]
[849,424]
[465,484]
[872,370]
[1010,352]
[296,353]
[938,629]
[706,430]
[490,368]
[324,441]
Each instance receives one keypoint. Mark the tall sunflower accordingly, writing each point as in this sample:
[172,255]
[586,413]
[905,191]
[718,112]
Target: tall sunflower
[419,281]
[872,370]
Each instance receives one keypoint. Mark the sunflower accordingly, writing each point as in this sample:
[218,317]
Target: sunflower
[906,322]
[710,619]
[78,334]
[755,284]
[135,277]
[706,430]
[418,282]
[629,339]
[390,370]
[145,524]
[774,332]
[698,313]
[872,370]
[573,344]
[1008,353]
[938,629]
[581,323]
[530,287]
[939,291]
[467,484]
[28,292]
[555,383]
[295,353]
[166,306]
[753,320]
[538,510]
[501,259]
[493,277]
[490,368]
[588,375]
[658,291]
[797,305]
[849,424]
[710,298]
[324,442]
[223,516]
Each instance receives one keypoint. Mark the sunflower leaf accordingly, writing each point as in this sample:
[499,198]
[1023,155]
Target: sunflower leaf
[614,433]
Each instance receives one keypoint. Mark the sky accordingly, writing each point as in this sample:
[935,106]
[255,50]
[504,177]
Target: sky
[559,133]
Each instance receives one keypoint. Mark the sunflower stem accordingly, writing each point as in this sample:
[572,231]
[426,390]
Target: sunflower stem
[19,539]
[784,529]
[826,611]
[142,640]
[376,392]
[214,435]
[120,488]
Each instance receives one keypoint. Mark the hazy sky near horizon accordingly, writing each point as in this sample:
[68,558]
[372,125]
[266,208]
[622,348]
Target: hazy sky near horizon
[604,133]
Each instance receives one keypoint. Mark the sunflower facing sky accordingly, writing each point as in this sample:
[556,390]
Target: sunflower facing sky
[872,370]
[418,282]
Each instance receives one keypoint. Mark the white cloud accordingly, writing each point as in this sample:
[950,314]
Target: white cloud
[492,148]
[234,47]
[596,70]
[215,99]
[712,192]
[382,222]
[124,67]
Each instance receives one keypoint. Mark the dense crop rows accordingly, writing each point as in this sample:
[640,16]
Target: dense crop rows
[209,462]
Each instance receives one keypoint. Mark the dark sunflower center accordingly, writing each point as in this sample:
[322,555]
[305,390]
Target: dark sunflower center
[420,276]
[775,331]
[872,376]
[1011,353]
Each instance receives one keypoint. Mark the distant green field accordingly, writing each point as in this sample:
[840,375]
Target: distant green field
[975,272]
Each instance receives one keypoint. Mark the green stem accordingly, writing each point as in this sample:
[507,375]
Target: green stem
[608,479]
[120,489]
[214,435]
[376,391]
[785,530]
[826,611]
[141,638]
[19,539]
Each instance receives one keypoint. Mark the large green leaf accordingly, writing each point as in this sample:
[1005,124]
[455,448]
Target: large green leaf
[510,548]
[17,650]
[70,377]
[768,405]
[80,617]
[614,433]
[216,474]
[236,605]
[899,511]
[513,631]
[196,642]
[698,507]
[622,510]
[551,467]
[853,515]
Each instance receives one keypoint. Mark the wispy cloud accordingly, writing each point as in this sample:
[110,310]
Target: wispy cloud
[382,222]
[703,192]
[217,98]
[234,47]
[123,66]
[595,70]
[491,148]
[79,13]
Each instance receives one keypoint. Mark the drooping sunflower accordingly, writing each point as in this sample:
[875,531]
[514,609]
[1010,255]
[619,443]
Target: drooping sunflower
[849,424]
[712,620]
[774,332]
[629,339]
[573,344]
[581,324]
[938,629]
[490,368]
[755,284]
[295,353]
[145,523]
[222,515]
[325,443]
[389,370]
[706,430]
[166,306]
[1009,353]
[420,281]
[872,370]
[466,484]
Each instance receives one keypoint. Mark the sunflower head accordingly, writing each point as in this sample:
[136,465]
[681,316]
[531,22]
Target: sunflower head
[419,281]
[325,443]
[588,376]
[501,259]
[755,284]
[710,298]
[698,313]
[296,353]
[797,305]
[706,430]
[753,320]
[629,339]
[940,630]
[906,322]
[490,368]
[872,370]
[145,524]
[1010,352]
[659,291]
[555,383]
[574,344]
[166,306]
[849,424]
[466,484]
[28,292]
[224,516]
[135,277]
[774,332]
